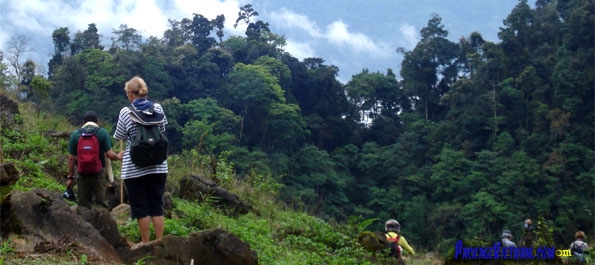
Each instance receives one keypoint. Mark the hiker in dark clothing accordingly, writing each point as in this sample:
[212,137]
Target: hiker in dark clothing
[90,185]
[529,235]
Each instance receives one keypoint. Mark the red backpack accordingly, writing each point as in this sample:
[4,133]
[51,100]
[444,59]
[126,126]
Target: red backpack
[88,152]
[395,249]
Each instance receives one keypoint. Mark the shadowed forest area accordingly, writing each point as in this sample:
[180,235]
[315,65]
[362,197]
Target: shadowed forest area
[469,138]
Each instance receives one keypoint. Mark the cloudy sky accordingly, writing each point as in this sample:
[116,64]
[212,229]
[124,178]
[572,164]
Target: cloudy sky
[351,34]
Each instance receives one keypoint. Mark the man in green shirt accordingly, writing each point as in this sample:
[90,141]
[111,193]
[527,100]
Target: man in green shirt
[91,185]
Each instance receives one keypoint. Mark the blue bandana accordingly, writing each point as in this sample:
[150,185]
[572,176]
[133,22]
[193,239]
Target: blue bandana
[141,104]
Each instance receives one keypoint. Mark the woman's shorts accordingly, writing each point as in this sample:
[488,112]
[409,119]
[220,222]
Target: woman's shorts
[145,195]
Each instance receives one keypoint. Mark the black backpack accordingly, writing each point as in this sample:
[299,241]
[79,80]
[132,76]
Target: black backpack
[577,252]
[149,147]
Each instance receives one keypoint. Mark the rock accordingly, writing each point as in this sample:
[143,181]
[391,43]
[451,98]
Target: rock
[370,242]
[45,219]
[40,221]
[199,188]
[8,106]
[113,196]
[8,176]
[121,213]
[213,247]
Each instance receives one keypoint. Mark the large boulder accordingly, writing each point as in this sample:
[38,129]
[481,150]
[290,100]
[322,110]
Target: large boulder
[41,221]
[199,188]
[106,225]
[213,247]
[41,218]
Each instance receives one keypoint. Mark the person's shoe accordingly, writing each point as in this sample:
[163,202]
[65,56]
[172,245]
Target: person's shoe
[137,246]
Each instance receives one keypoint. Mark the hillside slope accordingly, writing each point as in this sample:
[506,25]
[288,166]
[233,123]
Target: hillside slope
[277,234]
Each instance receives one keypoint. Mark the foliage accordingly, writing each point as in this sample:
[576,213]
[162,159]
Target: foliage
[471,138]
[25,145]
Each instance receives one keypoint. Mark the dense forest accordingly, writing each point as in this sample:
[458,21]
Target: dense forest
[469,138]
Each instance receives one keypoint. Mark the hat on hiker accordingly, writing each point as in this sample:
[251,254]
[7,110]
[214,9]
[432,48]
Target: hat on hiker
[392,226]
[506,233]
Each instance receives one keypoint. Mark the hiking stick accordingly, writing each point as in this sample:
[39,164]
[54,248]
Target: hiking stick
[121,181]
[108,168]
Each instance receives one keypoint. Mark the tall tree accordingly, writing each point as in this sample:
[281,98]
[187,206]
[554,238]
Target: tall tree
[245,14]
[516,37]
[175,36]
[27,74]
[199,30]
[126,38]
[378,99]
[18,45]
[469,113]
[331,118]
[88,39]
[430,69]
[61,40]
[218,23]
[251,92]
[4,74]
[209,126]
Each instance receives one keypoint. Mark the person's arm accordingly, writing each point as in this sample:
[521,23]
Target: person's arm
[403,243]
[106,143]
[121,131]
[585,247]
[113,156]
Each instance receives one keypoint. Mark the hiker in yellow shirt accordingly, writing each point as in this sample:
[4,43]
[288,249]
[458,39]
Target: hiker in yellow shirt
[392,229]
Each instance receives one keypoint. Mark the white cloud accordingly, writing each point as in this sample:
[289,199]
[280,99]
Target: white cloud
[143,16]
[410,35]
[146,16]
[289,19]
[37,19]
[300,50]
[339,35]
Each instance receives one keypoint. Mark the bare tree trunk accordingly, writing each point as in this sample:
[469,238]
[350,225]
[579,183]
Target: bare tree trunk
[17,45]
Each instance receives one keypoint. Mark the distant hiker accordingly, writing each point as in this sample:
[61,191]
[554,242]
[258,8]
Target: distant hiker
[579,248]
[506,239]
[529,235]
[396,241]
[145,184]
[88,147]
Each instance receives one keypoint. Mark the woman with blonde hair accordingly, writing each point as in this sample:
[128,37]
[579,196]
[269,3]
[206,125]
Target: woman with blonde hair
[145,184]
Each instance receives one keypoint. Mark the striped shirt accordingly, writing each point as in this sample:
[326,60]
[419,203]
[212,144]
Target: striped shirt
[126,130]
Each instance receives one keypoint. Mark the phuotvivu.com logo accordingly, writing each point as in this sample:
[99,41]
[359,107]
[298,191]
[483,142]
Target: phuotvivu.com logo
[496,251]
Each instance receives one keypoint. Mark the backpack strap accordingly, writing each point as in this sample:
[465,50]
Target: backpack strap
[92,131]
